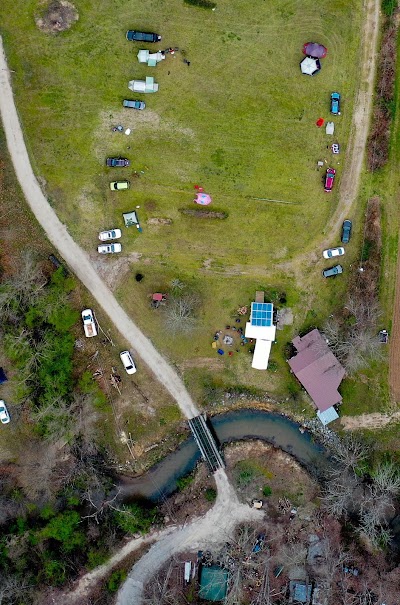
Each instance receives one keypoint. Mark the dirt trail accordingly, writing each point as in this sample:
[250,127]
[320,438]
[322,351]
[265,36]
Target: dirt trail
[213,528]
[368,421]
[74,256]
[357,141]
[394,357]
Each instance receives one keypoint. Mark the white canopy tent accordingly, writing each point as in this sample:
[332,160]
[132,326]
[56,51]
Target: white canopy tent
[310,66]
[145,56]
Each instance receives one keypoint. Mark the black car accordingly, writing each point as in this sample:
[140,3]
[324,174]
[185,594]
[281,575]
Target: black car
[134,36]
[346,231]
[134,104]
[117,162]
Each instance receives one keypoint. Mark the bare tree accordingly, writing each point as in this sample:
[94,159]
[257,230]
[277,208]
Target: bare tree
[11,589]
[387,479]
[180,313]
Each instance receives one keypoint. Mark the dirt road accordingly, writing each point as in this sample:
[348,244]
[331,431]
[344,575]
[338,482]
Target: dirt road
[355,151]
[368,421]
[74,256]
[214,528]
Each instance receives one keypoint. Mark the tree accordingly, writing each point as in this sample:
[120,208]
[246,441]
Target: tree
[179,313]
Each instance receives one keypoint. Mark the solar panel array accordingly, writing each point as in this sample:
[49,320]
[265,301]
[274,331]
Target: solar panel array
[262,314]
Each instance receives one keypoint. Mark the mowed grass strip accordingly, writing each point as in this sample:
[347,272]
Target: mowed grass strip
[240,121]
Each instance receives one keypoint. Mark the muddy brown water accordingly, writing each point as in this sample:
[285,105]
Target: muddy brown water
[161,480]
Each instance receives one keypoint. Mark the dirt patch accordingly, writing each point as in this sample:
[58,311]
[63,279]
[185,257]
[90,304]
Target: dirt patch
[368,421]
[208,363]
[159,221]
[56,16]
[197,213]
[113,271]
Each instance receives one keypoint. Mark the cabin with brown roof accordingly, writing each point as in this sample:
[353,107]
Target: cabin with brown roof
[320,373]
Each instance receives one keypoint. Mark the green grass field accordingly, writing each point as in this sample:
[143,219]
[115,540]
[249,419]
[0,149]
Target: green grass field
[240,121]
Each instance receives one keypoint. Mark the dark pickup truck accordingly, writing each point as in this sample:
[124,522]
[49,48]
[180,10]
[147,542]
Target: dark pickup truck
[117,162]
[134,36]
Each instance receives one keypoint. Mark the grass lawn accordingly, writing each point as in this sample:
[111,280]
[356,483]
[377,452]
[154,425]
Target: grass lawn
[240,121]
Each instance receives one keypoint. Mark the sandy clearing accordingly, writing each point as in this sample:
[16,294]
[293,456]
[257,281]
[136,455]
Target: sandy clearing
[368,421]
[75,257]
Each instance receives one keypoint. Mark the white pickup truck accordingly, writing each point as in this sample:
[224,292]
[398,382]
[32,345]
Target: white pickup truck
[89,324]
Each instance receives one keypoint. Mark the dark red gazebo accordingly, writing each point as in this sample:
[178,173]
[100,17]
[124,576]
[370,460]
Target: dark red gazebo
[315,50]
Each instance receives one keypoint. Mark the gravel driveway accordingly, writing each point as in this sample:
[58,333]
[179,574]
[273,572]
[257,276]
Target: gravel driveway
[74,256]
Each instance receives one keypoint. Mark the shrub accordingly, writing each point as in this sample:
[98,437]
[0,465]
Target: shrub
[116,579]
[201,3]
[210,494]
[134,518]
[184,482]
[267,491]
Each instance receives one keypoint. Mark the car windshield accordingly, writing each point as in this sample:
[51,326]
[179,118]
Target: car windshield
[129,367]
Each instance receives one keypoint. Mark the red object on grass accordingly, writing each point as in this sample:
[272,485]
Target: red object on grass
[157,296]
[196,186]
[230,353]
[320,122]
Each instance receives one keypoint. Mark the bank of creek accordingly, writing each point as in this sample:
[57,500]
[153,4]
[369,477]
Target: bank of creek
[160,480]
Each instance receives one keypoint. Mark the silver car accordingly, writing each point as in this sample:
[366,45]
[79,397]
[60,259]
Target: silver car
[109,248]
[111,234]
[4,415]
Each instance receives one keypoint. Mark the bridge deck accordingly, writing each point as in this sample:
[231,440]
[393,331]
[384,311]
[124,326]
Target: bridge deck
[206,443]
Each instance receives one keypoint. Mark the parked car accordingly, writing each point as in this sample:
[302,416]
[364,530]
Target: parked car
[132,104]
[104,236]
[135,36]
[336,270]
[119,185]
[4,415]
[109,248]
[89,323]
[335,103]
[329,179]
[331,252]
[117,162]
[346,231]
[128,362]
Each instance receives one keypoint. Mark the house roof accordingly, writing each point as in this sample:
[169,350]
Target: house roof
[318,370]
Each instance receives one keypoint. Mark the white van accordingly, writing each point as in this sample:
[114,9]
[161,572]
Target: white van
[128,362]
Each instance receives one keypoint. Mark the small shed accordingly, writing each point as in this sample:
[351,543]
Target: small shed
[213,583]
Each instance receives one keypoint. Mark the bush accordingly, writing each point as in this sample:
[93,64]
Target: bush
[210,494]
[116,579]
[134,518]
[183,482]
[64,528]
[201,3]
[267,491]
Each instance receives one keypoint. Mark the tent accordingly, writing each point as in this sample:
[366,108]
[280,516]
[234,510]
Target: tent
[330,128]
[131,219]
[145,56]
[203,199]
[313,49]
[310,66]
[143,86]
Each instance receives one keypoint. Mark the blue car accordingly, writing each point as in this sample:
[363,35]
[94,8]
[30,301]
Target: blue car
[335,103]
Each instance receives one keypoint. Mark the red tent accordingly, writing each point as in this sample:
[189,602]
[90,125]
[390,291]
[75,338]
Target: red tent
[313,49]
